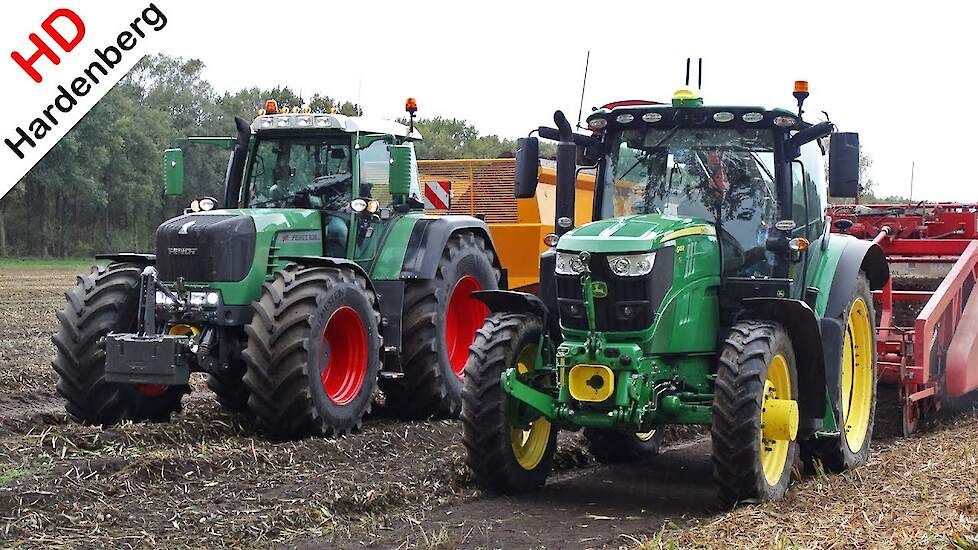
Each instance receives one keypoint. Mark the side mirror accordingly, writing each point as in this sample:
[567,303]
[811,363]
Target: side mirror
[527,167]
[844,165]
[173,171]
[400,175]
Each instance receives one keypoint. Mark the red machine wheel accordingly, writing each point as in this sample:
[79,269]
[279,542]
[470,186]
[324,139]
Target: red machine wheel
[345,342]
[464,316]
[151,390]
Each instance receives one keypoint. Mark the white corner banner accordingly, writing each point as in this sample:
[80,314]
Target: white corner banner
[58,60]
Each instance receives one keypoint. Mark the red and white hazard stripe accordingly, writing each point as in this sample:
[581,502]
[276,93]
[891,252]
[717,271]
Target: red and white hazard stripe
[437,195]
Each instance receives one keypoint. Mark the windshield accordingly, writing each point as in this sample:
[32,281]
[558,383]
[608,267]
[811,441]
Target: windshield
[300,172]
[721,175]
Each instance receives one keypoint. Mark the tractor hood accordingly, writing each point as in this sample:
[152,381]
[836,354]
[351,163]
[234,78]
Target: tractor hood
[639,233]
[227,245]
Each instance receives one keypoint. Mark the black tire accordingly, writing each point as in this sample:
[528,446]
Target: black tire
[737,408]
[431,386]
[230,389]
[105,300]
[487,430]
[835,453]
[615,447]
[287,352]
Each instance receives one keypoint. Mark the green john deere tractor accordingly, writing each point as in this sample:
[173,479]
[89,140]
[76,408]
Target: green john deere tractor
[706,291]
[319,279]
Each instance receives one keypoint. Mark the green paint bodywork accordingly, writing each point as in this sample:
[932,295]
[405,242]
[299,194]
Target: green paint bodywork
[679,343]
[381,253]
[665,373]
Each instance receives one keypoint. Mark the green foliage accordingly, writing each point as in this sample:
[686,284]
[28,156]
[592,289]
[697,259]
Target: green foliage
[100,189]
[451,138]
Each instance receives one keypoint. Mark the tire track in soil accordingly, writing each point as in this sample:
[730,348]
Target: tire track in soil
[596,507]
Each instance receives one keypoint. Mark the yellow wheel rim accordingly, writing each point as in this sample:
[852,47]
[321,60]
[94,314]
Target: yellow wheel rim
[645,436]
[774,453]
[530,445]
[857,375]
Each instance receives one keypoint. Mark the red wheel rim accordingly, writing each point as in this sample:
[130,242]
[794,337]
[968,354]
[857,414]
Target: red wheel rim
[464,316]
[151,390]
[344,352]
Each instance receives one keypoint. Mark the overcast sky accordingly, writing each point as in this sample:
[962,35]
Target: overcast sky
[903,77]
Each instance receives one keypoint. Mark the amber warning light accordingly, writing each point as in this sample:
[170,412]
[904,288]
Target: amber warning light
[271,107]
[801,86]
[411,105]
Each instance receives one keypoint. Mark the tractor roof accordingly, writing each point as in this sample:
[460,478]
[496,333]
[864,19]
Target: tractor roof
[332,122]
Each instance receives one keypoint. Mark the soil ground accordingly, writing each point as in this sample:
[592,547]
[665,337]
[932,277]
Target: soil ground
[206,480]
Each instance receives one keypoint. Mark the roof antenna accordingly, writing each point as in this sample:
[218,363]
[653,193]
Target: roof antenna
[687,72]
[580,108]
[699,76]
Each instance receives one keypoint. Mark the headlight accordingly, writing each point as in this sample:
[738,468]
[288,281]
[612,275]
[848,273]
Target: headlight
[569,264]
[163,299]
[358,205]
[632,265]
[198,298]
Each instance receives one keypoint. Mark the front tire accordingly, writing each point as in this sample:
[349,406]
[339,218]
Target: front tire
[756,377]
[105,300]
[313,352]
[439,324]
[504,458]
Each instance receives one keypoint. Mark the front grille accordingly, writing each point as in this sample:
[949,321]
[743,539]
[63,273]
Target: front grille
[631,302]
[205,248]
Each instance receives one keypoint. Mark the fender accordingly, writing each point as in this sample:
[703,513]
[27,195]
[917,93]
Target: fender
[129,258]
[322,261]
[858,255]
[510,301]
[801,322]
[428,240]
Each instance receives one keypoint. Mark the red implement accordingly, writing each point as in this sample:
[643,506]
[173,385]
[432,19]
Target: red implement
[933,357]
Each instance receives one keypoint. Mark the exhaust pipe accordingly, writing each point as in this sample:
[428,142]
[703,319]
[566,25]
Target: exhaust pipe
[566,175]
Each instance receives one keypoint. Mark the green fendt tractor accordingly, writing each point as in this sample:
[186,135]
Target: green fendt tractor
[320,278]
[706,291]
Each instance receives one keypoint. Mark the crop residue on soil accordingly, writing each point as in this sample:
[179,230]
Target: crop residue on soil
[207,480]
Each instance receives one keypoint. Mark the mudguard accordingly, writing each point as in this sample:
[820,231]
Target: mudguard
[428,240]
[857,256]
[323,261]
[129,258]
[802,325]
[510,301]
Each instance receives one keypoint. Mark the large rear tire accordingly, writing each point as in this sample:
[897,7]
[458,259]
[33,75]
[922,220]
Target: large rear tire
[504,458]
[313,352]
[439,324]
[105,300]
[614,447]
[756,366]
[856,406]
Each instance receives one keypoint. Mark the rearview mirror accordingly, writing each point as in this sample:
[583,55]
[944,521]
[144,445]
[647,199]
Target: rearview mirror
[400,175]
[844,165]
[527,167]
[173,171]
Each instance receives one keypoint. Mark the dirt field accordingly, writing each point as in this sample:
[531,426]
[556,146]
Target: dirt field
[206,480]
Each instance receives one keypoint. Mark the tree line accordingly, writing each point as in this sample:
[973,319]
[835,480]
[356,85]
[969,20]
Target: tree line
[100,188]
